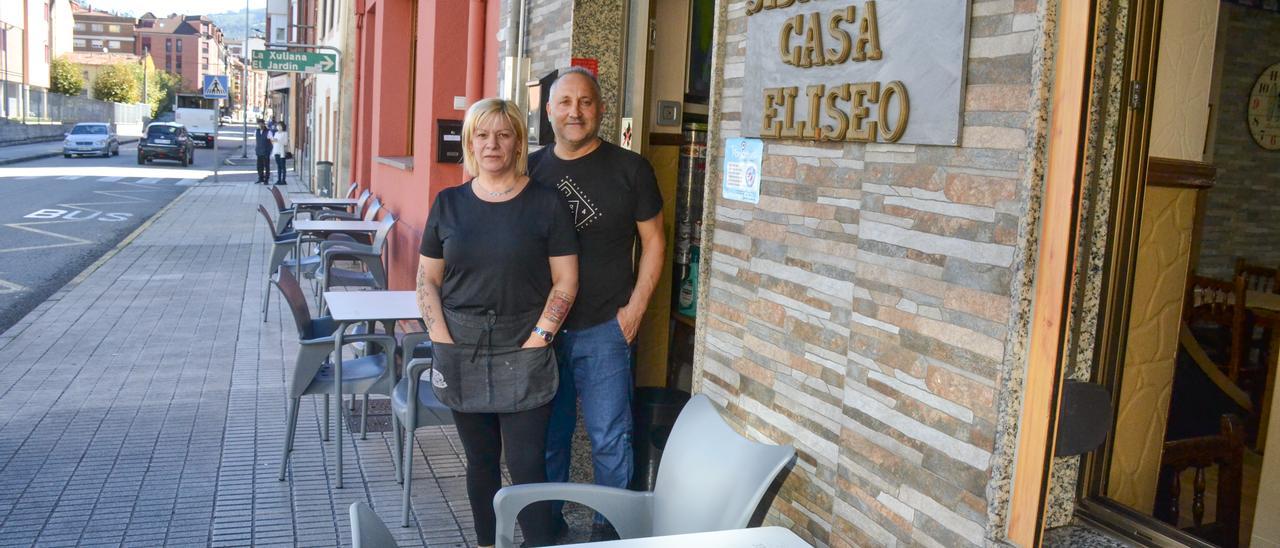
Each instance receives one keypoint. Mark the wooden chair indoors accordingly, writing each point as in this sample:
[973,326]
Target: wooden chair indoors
[1259,327]
[1215,313]
[1225,451]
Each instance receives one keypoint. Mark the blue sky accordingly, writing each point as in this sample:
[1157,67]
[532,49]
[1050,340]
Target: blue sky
[165,7]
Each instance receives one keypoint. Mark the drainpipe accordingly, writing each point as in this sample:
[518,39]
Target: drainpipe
[475,51]
[357,95]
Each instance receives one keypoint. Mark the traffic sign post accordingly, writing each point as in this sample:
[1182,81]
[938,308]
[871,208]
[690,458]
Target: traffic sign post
[215,87]
[295,61]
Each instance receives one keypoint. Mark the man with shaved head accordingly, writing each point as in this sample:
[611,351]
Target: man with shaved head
[614,197]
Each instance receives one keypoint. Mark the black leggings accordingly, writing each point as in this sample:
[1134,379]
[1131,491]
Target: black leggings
[524,437]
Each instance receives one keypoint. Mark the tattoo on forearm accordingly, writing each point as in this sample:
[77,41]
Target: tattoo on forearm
[558,306]
[424,298]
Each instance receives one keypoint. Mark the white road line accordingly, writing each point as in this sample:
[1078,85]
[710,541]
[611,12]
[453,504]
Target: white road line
[187,182]
[109,179]
[68,177]
[148,181]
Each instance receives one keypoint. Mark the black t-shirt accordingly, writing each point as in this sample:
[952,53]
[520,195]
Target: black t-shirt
[608,191]
[495,253]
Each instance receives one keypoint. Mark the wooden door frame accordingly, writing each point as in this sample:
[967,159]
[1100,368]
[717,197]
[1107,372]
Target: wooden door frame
[1069,98]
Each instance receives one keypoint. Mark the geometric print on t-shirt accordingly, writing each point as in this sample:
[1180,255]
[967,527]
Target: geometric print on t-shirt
[584,211]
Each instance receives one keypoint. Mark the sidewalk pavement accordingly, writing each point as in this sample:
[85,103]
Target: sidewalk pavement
[143,405]
[35,151]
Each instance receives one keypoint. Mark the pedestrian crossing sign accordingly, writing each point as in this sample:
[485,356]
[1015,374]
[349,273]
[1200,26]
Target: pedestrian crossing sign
[215,87]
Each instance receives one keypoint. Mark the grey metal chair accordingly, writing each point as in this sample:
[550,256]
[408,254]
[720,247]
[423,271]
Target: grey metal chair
[282,244]
[711,479]
[415,406]
[312,372]
[367,529]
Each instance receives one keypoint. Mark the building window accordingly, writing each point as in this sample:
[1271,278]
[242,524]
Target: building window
[96,27]
[79,42]
[95,44]
[179,46]
[79,27]
[113,44]
[168,45]
[113,28]
[146,44]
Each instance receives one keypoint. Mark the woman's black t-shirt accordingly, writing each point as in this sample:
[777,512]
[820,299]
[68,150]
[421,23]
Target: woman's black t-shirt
[495,253]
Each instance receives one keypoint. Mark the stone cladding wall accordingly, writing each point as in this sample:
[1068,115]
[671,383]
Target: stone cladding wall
[863,310]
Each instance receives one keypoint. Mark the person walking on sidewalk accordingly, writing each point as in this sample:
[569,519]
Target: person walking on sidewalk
[497,276]
[279,146]
[262,148]
[618,200]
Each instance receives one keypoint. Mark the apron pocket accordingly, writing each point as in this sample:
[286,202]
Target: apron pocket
[493,380]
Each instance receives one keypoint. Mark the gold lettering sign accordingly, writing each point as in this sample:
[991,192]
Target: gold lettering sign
[847,111]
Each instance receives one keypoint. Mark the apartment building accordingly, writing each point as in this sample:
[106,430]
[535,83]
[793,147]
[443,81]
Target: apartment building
[32,33]
[99,31]
[190,46]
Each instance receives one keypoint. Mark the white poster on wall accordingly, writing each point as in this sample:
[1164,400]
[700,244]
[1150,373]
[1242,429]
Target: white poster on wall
[742,159]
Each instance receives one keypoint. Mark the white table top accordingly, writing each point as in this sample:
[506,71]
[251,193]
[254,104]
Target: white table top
[759,537]
[320,201]
[350,306]
[336,226]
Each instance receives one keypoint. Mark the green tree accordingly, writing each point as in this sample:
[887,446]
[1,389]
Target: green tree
[117,83]
[169,86]
[64,77]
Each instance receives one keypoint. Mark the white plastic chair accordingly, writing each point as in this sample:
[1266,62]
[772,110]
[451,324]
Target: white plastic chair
[711,479]
[367,529]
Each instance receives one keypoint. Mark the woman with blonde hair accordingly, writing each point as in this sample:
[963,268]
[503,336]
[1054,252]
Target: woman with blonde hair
[497,276]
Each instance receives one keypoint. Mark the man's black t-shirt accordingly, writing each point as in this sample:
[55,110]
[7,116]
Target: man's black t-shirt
[495,253]
[608,191]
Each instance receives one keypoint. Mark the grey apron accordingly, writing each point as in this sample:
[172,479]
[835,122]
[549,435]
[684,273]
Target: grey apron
[486,371]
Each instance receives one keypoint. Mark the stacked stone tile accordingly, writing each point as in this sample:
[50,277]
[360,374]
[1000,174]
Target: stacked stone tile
[861,310]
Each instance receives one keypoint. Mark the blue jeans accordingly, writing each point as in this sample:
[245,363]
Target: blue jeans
[595,367]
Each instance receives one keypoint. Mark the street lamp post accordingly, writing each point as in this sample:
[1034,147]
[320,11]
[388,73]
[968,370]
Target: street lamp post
[244,84]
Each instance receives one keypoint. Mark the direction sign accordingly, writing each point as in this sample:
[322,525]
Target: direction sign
[215,87]
[294,61]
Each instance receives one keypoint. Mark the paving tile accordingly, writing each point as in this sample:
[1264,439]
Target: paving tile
[178,442]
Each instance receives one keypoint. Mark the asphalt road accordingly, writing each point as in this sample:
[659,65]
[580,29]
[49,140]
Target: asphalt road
[59,215]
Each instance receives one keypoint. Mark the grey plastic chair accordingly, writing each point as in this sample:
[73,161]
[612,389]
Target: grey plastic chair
[284,210]
[711,479]
[374,275]
[312,372]
[282,244]
[367,529]
[415,406]
[357,213]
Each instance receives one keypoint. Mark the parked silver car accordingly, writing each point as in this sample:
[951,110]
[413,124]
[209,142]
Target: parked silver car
[96,139]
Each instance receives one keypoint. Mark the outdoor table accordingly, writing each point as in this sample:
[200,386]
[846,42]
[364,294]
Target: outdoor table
[350,307]
[315,202]
[1266,306]
[756,537]
[324,228]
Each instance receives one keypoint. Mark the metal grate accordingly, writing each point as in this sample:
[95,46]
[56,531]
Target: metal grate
[379,415]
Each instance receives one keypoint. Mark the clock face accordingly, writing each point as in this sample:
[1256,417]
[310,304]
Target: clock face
[1264,109]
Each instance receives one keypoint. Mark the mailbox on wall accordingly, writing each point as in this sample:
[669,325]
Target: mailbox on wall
[539,125]
[449,141]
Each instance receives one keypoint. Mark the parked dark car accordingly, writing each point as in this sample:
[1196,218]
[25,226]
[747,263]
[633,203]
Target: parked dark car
[166,140]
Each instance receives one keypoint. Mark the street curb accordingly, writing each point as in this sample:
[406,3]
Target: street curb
[127,240]
[44,155]
[132,236]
